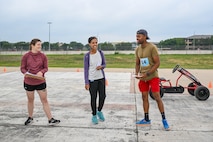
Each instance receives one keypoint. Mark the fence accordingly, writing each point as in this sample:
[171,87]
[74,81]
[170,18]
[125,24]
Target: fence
[112,52]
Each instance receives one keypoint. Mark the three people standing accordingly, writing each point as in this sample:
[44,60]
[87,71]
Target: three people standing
[147,63]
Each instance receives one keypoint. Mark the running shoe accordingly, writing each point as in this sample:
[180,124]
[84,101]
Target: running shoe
[94,119]
[165,124]
[100,115]
[53,121]
[143,121]
[28,121]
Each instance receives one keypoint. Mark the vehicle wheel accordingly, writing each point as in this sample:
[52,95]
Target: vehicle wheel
[202,93]
[191,91]
[161,93]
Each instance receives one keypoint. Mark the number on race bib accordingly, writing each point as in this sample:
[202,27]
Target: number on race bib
[144,62]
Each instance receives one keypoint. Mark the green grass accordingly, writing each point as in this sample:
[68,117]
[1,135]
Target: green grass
[196,61]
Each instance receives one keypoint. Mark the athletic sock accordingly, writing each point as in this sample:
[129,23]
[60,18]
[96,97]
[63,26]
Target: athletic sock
[146,116]
[163,115]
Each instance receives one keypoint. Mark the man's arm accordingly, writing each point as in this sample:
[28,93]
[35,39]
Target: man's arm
[137,66]
[155,66]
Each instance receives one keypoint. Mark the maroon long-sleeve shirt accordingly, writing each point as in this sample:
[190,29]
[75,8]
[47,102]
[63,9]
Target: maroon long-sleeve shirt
[33,63]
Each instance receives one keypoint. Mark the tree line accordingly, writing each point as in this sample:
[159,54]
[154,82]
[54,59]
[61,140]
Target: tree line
[180,43]
[173,44]
[75,46]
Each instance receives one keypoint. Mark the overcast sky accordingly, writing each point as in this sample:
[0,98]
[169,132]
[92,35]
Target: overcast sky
[109,20]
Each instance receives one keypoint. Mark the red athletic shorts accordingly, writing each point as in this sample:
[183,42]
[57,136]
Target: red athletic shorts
[145,85]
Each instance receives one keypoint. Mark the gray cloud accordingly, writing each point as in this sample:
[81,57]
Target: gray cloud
[111,20]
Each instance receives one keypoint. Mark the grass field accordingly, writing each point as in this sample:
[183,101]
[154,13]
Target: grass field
[196,61]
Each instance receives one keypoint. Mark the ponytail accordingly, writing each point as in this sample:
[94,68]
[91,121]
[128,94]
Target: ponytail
[33,42]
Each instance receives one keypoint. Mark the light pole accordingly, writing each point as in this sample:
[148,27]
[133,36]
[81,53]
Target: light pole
[211,41]
[49,33]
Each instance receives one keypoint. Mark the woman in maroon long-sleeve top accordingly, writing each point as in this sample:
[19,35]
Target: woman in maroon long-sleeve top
[34,65]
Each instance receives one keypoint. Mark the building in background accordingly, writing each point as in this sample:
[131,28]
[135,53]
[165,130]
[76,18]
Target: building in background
[198,42]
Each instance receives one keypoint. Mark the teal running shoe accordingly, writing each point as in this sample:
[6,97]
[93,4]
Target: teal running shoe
[94,119]
[165,124]
[100,116]
[143,121]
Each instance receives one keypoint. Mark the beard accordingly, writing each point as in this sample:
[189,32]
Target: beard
[140,42]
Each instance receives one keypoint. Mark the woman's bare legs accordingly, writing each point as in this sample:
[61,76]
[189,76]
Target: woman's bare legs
[30,105]
[44,101]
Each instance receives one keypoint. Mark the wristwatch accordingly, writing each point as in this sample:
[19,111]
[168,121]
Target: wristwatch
[147,74]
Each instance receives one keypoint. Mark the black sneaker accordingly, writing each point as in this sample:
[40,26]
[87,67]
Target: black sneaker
[53,121]
[29,121]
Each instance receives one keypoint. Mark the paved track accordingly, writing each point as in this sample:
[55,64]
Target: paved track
[190,120]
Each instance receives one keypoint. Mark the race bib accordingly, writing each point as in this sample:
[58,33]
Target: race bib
[144,62]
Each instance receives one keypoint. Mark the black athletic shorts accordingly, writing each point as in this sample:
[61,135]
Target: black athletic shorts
[28,87]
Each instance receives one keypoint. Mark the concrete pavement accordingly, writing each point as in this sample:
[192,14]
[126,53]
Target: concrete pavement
[190,120]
